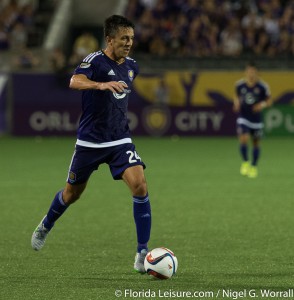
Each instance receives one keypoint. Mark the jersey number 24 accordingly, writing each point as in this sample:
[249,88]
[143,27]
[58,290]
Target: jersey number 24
[133,157]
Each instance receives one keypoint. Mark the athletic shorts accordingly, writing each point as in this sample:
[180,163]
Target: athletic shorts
[86,160]
[255,133]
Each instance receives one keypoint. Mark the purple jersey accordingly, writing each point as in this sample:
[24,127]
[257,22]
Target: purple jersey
[248,97]
[104,121]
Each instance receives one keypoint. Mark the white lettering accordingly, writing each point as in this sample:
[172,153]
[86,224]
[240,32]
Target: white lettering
[234,294]
[217,121]
[181,121]
[276,294]
[192,121]
[252,294]
[202,117]
[273,119]
[53,120]
[139,294]
[289,123]
[38,121]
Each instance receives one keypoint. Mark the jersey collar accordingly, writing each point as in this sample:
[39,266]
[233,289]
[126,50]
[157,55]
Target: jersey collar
[118,63]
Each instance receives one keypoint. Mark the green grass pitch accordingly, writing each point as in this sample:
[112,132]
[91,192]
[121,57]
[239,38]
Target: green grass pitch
[229,232]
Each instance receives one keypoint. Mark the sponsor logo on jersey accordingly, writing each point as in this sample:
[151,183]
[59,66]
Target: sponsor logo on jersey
[121,95]
[249,99]
[85,65]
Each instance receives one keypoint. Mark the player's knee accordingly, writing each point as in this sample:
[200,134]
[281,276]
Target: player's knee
[70,196]
[140,188]
[256,143]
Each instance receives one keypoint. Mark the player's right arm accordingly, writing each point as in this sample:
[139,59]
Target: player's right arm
[82,82]
[236,105]
[237,100]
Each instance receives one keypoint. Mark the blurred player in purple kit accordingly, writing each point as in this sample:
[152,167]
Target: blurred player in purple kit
[252,96]
[105,77]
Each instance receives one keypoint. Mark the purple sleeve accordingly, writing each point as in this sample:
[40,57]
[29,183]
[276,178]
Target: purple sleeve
[136,70]
[85,69]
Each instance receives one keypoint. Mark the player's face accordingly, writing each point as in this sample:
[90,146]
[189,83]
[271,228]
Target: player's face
[122,42]
[251,74]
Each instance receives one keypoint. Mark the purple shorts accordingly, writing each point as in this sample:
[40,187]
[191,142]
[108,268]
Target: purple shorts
[86,160]
[255,133]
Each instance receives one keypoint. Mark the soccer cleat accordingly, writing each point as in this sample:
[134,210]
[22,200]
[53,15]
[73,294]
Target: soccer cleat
[245,167]
[252,172]
[139,261]
[39,236]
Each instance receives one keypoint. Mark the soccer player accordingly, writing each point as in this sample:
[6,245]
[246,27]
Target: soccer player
[252,96]
[103,136]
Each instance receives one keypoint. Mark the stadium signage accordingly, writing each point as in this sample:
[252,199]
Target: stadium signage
[41,107]
[53,120]
[202,120]
[279,120]
[163,120]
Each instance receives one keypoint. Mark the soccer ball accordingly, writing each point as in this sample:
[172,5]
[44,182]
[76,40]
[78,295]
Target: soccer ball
[161,263]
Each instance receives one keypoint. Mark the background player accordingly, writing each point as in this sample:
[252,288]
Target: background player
[103,134]
[252,96]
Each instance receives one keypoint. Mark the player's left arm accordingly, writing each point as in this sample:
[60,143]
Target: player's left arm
[258,107]
[267,102]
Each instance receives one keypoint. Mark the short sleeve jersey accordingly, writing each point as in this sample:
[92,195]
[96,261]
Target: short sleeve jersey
[104,113]
[248,96]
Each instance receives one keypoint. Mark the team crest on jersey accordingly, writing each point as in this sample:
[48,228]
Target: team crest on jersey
[85,65]
[131,74]
[72,176]
[256,90]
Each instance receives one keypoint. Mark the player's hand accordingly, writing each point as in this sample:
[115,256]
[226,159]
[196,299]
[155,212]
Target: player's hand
[113,86]
[258,107]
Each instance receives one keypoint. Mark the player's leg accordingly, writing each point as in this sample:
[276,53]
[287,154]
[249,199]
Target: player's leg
[255,151]
[244,137]
[135,180]
[255,155]
[83,163]
[126,164]
[60,203]
[62,200]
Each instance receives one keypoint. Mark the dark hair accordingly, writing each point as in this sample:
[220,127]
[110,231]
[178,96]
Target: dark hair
[252,64]
[114,22]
